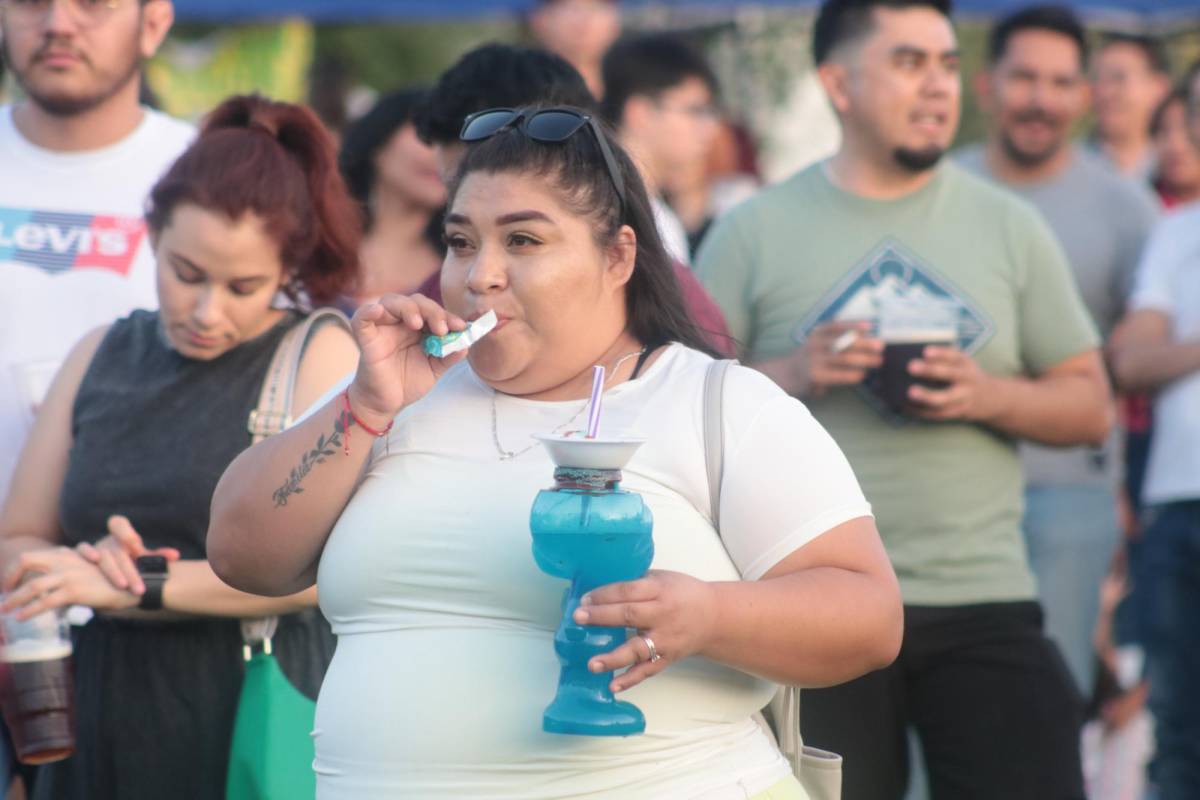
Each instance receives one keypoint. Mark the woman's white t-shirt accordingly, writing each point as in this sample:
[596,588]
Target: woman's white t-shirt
[445,657]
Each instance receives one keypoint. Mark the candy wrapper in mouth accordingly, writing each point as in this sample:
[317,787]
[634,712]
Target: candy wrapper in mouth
[442,346]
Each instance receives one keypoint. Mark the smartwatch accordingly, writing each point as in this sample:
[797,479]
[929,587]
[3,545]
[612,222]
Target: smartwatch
[153,571]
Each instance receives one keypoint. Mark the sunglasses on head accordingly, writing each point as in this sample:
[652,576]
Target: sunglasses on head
[543,125]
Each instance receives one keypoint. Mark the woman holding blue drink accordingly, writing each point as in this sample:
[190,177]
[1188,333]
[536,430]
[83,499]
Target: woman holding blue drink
[417,531]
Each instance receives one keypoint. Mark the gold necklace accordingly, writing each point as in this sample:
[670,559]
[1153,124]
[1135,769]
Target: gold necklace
[509,455]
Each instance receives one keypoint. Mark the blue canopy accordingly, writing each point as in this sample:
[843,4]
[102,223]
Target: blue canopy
[1154,11]
[1150,11]
[345,10]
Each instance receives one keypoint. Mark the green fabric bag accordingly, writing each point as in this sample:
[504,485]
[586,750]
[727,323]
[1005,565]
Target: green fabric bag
[272,752]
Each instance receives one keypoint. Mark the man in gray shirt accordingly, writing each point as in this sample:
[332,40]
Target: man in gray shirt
[1035,90]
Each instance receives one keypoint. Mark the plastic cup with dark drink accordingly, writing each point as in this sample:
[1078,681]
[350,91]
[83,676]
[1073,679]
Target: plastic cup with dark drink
[908,325]
[36,690]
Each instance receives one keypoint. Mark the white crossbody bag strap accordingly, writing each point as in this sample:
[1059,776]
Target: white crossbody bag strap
[819,771]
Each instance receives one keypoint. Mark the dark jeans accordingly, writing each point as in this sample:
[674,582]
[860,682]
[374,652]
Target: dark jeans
[990,697]
[1170,585]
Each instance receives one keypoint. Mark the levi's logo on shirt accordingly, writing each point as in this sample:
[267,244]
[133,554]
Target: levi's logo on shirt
[56,242]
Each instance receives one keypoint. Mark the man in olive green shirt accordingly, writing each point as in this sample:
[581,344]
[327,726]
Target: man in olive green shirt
[802,264]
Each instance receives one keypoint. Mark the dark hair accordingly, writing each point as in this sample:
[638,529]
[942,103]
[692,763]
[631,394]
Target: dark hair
[1189,82]
[1054,18]
[498,76]
[648,65]
[1177,95]
[367,136]
[277,161]
[329,86]
[840,21]
[1151,48]
[654,301]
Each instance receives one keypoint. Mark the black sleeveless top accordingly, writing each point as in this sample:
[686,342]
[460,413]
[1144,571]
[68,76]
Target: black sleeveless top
[155,700]
[153,432]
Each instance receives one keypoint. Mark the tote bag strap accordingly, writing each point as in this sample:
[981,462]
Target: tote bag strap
[714,434]
[272,415]
[820,772]
[274,411]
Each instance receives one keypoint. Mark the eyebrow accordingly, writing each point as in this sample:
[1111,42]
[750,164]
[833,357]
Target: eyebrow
[506,219]
[523,216]
[913,50]
[193,265]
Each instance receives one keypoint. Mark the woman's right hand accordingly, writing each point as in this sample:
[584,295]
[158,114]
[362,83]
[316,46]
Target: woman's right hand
[117,552]
[394,370]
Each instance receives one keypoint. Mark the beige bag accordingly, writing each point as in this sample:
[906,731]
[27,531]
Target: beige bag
[819,771]
[274,412]
[273,415]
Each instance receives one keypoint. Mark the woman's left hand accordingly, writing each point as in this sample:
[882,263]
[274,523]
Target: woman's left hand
[60,577]
[673,610]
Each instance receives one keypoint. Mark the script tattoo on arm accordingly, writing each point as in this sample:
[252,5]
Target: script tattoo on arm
[327,445]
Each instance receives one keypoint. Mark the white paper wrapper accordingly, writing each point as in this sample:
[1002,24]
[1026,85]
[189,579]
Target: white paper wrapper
[442,346]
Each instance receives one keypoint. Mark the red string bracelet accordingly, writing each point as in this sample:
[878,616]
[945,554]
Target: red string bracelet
[348,415]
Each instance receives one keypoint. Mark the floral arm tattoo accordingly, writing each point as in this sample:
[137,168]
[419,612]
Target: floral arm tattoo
[327,445]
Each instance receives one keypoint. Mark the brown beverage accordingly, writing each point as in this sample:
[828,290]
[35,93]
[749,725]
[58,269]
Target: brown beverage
[36,695]
[894,380]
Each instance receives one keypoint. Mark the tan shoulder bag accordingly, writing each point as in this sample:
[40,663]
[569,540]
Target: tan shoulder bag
[274,414]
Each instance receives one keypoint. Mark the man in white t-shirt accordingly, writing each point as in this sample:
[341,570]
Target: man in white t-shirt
[659,96]
[1157,349]
[78,157]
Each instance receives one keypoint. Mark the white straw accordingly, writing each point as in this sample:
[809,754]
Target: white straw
[594,406]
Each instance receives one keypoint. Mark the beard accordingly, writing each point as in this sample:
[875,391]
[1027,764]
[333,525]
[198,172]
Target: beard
[1024,156]
[60,103]
[921,160]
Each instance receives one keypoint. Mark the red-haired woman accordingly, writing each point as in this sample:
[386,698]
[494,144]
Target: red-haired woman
[137,427]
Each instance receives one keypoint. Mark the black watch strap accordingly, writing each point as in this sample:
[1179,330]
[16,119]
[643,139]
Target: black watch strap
[153,572]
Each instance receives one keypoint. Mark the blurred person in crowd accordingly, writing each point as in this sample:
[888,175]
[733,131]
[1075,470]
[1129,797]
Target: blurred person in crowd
[394,176]
[1034,91]
[77,156]
[420,538]
[1130,76]
[502,76]
[1177,182]
[329,85]
[1118,739]
[704,190]
[580,31]
[1157,349]
[492,76]
[135,431]
[888,223]
[1177,177]
[660,97]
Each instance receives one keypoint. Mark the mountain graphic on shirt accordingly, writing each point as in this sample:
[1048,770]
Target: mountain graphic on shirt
[889,270]
[57,242]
